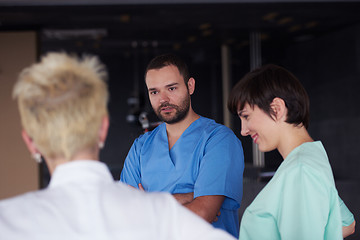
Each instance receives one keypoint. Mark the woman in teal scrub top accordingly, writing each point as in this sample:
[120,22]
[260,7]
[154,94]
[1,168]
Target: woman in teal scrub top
[301,201]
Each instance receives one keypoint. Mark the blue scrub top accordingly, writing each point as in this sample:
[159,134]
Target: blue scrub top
[207,159]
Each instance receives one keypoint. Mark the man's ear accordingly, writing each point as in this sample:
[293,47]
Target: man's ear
[103,131]
[29,142]
[279,108]
[191,85]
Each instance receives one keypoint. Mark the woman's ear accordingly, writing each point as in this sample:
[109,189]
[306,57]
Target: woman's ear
[29,143]
[103,131]
[279,109]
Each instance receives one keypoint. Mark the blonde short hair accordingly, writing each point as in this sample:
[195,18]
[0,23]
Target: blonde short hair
[62,101]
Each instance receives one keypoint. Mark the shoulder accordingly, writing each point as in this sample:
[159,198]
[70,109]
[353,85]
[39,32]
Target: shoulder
[307,165]
[310,152]
[25,197]
[212,127]
[217,136]
[22,205]
[149,135]
[134,198]
[14,214]
[311,157]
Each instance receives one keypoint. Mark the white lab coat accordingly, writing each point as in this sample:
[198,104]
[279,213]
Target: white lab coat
[83,201]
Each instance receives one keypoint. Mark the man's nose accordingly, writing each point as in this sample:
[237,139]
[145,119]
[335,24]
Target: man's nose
[164,97]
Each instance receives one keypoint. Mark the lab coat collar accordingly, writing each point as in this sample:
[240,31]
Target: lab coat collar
[80,171]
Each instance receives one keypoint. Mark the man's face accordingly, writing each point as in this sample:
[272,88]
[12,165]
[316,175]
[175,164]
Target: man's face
[168,93]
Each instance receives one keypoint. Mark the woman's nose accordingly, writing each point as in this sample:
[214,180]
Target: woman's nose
[244,129]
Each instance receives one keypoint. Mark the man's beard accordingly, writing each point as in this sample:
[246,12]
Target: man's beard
[180,111]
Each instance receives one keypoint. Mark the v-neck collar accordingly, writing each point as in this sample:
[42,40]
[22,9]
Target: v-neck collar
[164,133]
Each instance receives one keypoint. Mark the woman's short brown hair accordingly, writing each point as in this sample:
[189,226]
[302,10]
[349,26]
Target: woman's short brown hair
[260,86]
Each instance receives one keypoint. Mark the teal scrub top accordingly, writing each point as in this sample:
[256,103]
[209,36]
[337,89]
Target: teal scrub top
[300,202]
[207,159]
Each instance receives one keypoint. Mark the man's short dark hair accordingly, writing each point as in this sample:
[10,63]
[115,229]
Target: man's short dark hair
[167,60]
[260,86]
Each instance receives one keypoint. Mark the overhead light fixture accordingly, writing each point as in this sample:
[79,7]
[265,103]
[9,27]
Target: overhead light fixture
[176,46]
[207,33]
[191,38]
[264,36]
[270,16]
[242,44]
[285,20]
[295,28]
[311,24]
[204,26]
[124,18]
[74,33]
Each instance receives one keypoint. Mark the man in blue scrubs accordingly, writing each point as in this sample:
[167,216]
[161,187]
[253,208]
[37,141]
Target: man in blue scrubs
[196,159]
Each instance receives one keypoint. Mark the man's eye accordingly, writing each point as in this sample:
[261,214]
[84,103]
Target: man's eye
[153,92]
[172,88]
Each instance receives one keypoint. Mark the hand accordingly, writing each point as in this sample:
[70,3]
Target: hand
[216,217]
[141,187]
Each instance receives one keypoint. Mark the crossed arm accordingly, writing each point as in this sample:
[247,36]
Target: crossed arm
[207,207]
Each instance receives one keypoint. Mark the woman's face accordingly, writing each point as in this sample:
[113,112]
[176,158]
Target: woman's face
[260,126]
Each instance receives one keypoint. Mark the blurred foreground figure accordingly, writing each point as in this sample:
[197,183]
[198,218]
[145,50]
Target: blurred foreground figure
[62,102]
[301,201]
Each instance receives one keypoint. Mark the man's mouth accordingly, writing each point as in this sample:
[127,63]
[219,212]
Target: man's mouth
[166,108]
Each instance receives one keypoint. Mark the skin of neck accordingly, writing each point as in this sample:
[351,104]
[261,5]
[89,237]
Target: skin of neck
[287,135]
[88,154]
[291,137]
[176,129]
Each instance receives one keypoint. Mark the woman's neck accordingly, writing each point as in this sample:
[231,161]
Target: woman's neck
[293,137]
[90,154]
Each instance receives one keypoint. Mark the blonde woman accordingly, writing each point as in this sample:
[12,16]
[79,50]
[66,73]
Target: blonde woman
[301,201]
[62,102]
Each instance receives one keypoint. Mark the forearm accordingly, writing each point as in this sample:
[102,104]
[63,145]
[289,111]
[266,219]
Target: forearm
[347,219]
[206,207]
[184,198]
[187,200]
[348,230]
[200,211]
